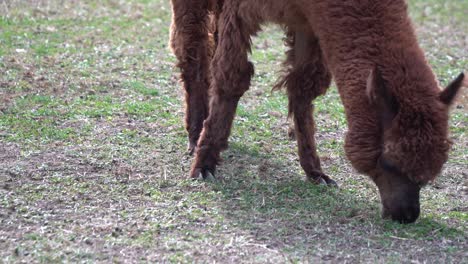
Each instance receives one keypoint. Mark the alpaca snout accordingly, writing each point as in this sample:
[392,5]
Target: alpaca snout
[404,213]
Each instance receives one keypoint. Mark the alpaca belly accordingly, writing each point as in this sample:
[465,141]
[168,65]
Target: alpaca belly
[270,11]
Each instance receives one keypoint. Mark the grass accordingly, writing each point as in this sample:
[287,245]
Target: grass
[92,147]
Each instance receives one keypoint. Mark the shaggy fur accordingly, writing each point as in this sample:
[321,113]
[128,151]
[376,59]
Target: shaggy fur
[397,116]
[193,42]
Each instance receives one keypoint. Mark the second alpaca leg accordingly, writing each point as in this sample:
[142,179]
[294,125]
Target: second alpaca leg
[192,45]
[231,74]
[307,79]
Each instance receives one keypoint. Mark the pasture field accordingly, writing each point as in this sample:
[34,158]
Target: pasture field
[93,165]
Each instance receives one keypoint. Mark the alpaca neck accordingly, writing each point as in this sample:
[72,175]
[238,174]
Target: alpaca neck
[356,37]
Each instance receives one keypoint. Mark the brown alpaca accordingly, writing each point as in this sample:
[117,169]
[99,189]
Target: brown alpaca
[397,115]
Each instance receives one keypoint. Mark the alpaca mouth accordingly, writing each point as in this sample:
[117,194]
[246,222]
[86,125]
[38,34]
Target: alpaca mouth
[403,215]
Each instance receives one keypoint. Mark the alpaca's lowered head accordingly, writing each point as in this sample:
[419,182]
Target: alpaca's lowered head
[414,143]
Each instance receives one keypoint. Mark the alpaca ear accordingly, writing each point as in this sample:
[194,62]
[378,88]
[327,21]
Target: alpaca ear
[381,98]
[449,93]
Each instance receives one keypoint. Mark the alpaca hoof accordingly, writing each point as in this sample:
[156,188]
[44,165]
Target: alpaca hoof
[318,181]
[203,175]
[331,183]
[323,180]
[209,177]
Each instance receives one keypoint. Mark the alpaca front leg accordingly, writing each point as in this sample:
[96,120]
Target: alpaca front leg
[214,136]
[217,127]
[231,74]
[190,42]
[195,114]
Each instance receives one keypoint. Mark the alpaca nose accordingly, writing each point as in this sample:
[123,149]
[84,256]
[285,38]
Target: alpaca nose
[405,214]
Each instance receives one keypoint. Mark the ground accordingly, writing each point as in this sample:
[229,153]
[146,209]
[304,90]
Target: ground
[94,168]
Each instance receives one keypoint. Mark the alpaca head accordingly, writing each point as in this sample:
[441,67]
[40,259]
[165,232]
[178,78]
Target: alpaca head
[414,144]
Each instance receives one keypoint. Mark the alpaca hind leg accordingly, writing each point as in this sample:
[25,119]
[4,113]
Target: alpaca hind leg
[308,78]
[191,43]
[231,74]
